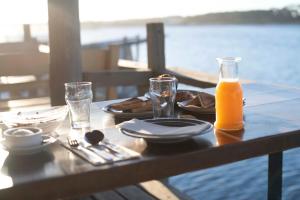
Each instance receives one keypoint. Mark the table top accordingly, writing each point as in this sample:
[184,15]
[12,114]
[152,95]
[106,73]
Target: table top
[271,114]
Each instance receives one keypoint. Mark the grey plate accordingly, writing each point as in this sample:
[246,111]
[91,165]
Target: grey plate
[171,138]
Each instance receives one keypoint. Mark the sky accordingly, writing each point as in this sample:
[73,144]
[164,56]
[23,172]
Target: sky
[35,11]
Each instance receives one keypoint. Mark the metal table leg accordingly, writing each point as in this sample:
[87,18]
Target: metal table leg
[275,176]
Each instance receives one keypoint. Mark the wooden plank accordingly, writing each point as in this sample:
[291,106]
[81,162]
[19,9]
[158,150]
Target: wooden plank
[275,176]
[65,51]
[94,59]
[130,64]
[24,86]
[159,190]
[196,78]
[14,47]
[113,57]
[25,104]
[108,195]
[21,64]
[142,89]
[193,81]
[174,189]
[133,192]
[116,78]
[16,89]
[27,33]
[156,47]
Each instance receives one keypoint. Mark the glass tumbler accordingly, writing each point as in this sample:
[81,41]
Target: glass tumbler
[78,96]
[163,92]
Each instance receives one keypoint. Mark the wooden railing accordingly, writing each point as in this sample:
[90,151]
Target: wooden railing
[139,73]
[25,74]
[100,67]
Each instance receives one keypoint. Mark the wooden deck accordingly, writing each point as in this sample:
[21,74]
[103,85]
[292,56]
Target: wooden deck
[150,190]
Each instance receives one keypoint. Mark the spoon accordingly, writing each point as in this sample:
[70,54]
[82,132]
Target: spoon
[95,137]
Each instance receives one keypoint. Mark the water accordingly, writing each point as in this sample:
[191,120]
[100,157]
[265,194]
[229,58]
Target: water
[270,54]
[79,111]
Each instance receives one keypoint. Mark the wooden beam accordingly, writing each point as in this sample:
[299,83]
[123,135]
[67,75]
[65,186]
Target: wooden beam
[113,58]
[65,47]
[18,47]
[156,47]
[25,104]
[192,79]
[22,64]
[27,33]
[24,86]
[117,78]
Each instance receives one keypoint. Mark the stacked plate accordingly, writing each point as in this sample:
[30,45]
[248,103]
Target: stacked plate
[46,119]
[165,130]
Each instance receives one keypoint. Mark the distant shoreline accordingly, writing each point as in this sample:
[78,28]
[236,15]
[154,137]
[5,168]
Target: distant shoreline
[286,15]
[248,24]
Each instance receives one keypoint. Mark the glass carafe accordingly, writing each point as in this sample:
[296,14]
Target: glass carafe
[229,96]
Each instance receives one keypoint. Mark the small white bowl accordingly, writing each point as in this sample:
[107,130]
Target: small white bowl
[23,137]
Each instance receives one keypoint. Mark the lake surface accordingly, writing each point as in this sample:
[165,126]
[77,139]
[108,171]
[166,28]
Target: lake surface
[270,53]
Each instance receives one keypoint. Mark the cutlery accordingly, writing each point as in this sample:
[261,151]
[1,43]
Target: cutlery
[100,152]
[85,153]
[96,139]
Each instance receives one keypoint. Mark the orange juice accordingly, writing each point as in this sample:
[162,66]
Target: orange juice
[229,105]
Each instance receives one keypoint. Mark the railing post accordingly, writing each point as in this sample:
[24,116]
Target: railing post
[27,33]
[275,176]
[156,47]
[65,47]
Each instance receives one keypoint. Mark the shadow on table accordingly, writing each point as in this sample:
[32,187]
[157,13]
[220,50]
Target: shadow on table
[28,163]
[175,148]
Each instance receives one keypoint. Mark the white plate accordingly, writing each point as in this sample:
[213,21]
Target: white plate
[47,140]
[171,138]
[46,119]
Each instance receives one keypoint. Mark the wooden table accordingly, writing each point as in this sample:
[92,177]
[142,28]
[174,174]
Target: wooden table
[272,116]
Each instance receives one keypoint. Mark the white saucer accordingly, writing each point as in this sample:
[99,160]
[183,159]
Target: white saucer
[47,140]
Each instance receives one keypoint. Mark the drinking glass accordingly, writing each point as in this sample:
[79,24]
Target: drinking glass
[163,92]
[78,96]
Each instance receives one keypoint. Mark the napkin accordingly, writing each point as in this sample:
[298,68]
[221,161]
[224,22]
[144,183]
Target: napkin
[148,128]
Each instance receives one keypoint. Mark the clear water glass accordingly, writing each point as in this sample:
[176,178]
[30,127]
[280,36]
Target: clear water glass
[78,96]
[163,92]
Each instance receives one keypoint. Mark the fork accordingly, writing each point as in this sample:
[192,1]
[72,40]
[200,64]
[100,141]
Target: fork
[75,143]
[89,154]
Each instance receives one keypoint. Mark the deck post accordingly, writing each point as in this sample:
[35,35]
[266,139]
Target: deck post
[156,47]
[65,47]
[275,176]
[27,33]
